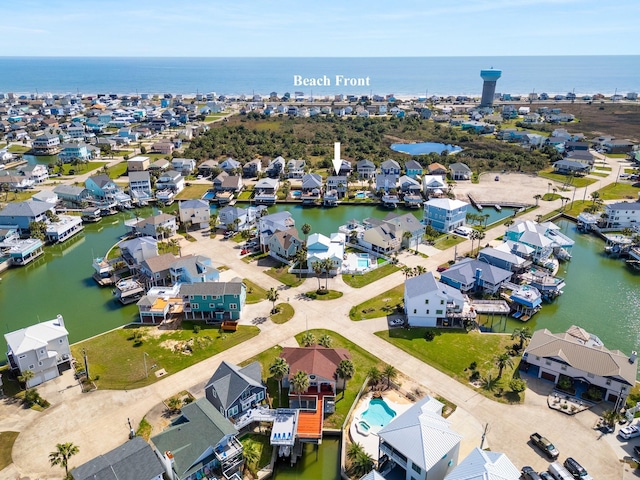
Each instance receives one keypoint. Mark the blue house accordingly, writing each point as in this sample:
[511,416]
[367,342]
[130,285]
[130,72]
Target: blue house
[413,169]
[390,167]
[193,269]
[103,188]
[444,214]
[21,214]
[473,275]
[233,390]
[213,302]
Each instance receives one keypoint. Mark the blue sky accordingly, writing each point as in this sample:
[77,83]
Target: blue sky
[348,28]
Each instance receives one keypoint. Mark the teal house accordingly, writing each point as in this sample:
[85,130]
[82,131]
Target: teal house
[213,301]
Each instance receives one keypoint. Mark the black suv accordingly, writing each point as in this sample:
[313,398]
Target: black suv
[575,468]
[529,473]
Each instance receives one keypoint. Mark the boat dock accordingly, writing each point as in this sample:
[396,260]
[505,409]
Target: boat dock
[488,307]
[497,204]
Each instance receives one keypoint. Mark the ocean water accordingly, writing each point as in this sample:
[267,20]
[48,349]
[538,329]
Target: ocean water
[415,76]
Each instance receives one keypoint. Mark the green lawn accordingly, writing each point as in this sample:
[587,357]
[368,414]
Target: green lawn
[325,295]
[577,182]
[121,153]
[264,448]
[285,313]
[255,293]
[453,351]
[444,242]
[362,361]
[120,364]
[18,149]
[379,306]
[193,192]
[616,155]
[599,174]
[118,170]
[606,169]
[550,197]
[81,169]
[21,196]
[144,429]
[619,191]
[577,207]
[282,275]
[359,281]
[7,439]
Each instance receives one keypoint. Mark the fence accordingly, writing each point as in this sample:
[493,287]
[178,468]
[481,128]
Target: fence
[343,443]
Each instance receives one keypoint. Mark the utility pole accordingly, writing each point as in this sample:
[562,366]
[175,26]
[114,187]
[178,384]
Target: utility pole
[86,363]
[484,434]
[144,359]
[131,432]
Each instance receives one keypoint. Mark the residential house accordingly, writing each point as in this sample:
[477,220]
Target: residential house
[319,362]
[433,185]
[140,185]
[408,226]
[583,358]
[413,169]
[70,152]
[214,302]
[106,190]
[71,194]
[420,442]
[160,165]
[339,183]
[485,465]
[409,185]
[21,214]
[42,348]
[445,214]
[571,167]
[265,191]
[138,164]
[160,226]
[185,166]
[252,169]
[14,181]
[156,270]
[272,223]
[614,146]
[63,228]
[430,303]
[193,269]
[284,244]
[295,168]
[386,183]
[208,167]
[37,172]
[382,237]
[194,213]
[137,250]
[46,196]
[470,275]
[134,460]
[233,390]
[460,171]
[229,165]
[544,238]
[366,169]
[198,443]
[225,182]
[311,188]
[321,247]
[165,148]
[502,257]
[276,167]
[238,218]
[390,167]
[622,215]
[46,144]
[436,168]
[170,180]
[345,168]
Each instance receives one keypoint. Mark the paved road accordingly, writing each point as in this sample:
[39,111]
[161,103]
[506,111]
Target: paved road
[97,422]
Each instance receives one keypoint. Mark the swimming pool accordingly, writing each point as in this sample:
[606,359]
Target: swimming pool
[295,193]
[209,195]
[363,263]
[361,195]
[378,413]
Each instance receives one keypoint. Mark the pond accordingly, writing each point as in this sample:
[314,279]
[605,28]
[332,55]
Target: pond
[424,148]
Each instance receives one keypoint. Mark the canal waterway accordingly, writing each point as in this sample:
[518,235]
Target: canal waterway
[321,461]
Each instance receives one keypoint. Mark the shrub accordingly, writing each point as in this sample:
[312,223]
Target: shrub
[473,365]
[475,376]
[429,335]
[517,385]
[197,328]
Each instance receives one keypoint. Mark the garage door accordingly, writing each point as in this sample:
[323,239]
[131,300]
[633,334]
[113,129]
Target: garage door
[49,374]
[549,376]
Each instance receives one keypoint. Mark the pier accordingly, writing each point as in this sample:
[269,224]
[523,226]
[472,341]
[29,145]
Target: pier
[497,204]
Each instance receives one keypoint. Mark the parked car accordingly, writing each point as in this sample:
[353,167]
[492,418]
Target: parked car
[630,431]
[244,251]
[545,476]
[396,322]
[636,451]
[577,470]
[441,268]
[529,473]
[545,445]
[497,179]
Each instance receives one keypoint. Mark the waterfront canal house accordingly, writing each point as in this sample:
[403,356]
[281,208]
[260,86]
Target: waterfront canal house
[433,185]
[238,218]
[345,168]
[283,245]
[208,167]
[46,144]
[430,303]
[406,223]
[214,302]
[445,214]
[544,238]
[140,188]
[419,444]
[502,257]
[38,172]
[265,191]
[138,164]
[484,464]
[63,228]
[233,390]
[226,185]
[193,269]
[134,460]
[200,443]
[75,151]
[459,171]
[413,169]
[156,271]
[22,214]
[311,188]
[42,348]
[252,168]
[321,247]
[582,358]
[475,276]
[194,213]
[272,223]
[160,226]
[366,169]
[15,181]
[106,191]
[337,183]
[137,250]
[170,180]
[620,215]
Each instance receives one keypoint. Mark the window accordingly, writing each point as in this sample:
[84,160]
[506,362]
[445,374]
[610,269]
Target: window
[563,367]
[427,311]
[22,356]
[260,396]
[415,311]
[426,302]
[40,363]
[590,375]
[441,302]
[608,381]
[438,312]
[233,306]
[213,392]
[195,306]
[212,305]
[547,362]
[233,410]
[42,350]
[61,341]
[416,468]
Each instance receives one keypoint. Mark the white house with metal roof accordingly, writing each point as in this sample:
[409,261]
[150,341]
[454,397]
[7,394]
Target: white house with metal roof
[484,465]
[583,357]
[427,302]
[622,215]
[42,348]
[420,442]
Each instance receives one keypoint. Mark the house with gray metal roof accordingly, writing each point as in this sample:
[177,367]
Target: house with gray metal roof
[134,460]
[474,275]
[430,303]
[484,465]
[621,215]
[200,443]
[233,390]
[72,194]
[420,442]
[21,214]
[213,302]
[583,358]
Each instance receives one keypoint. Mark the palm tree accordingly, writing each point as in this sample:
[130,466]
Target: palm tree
[300,383]
[474,235]
[406,236]
[173,245]
[595,196]
[353,450]
[25,376]
[481,236]
[489,383]
[408,272]
[420,269]
[485,217]
[537,198]
[327,266]
[503,360]
[61,455]
[272,296]
[522,334]
[318,269]
[345,371]
[390,373]
[278,369]
[308,339]
[610,417]
[250,453]
[326,341]
[361,464]
[301,260]
[306,228]
[374,376]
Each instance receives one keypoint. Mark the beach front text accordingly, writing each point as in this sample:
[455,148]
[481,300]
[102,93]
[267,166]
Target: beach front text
[325,81]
